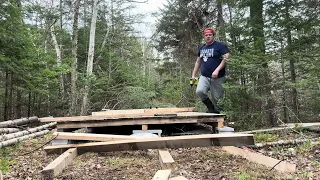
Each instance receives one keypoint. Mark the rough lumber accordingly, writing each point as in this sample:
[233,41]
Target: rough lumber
[160,143]
[162,175]
[166,160]
[26,132]
[57,166]
[16,140]
[17,122]
[140,121]
[1,178]
[178,178]
[91,137]
[8,130]
[143,111]
[301,124]
[261,159]
[266,130]
[182,115]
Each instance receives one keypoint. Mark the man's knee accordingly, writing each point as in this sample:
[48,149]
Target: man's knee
[201,93]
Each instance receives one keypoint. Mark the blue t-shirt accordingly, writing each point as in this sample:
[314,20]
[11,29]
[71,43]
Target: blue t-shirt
[211,57]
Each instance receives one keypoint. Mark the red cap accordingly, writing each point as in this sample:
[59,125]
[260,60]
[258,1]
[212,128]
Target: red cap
[208,31]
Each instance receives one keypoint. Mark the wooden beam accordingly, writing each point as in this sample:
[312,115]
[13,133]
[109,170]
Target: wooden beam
[91,137]
[178,178]
[162,175]
[261,159]
[160,143]
[166,160]
[57,166]
[138,121]
[182,115]
[143,111]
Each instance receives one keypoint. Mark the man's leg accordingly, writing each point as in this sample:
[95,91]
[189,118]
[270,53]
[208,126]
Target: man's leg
[202,90]
[217,91]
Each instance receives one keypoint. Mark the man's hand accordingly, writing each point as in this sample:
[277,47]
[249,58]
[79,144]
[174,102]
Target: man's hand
[215,74]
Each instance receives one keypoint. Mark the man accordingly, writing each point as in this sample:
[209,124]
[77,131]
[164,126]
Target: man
[212,57]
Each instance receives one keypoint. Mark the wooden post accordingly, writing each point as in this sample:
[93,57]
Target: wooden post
[144,127]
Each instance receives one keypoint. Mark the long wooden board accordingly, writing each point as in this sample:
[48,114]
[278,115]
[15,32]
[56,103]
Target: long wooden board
[183,115]
[261,159]
[160,143]
[57,166]
[143,111]
[139,121]
[91,137]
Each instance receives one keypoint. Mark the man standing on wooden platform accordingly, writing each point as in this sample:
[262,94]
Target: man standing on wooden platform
[212,57]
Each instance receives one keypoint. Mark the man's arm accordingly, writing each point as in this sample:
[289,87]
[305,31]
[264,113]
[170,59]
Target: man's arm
[225,58]
[196,67]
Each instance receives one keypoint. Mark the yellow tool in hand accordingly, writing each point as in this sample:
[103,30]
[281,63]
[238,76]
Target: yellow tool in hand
[193,81]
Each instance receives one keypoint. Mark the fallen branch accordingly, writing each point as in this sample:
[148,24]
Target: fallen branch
[16,122]
[26,132]
[283,142]
[9,130]
[19,139]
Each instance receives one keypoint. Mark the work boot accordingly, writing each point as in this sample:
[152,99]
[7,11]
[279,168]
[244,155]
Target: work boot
[210,106]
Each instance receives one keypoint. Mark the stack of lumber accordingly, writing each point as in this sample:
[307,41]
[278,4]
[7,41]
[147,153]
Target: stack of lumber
[108,142]
[14,131]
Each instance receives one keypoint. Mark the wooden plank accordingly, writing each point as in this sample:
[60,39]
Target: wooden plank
[91,137]
[162,175]
[261,159]
[143,111]
[204,140]
[57,166]
[178,178]
[165,158]
[182,115]
[140,121]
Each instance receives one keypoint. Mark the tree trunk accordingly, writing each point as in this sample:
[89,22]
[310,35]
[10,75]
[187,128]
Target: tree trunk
[5,111]
[18,122]
[26,132]
[16,140]
[292,66]
[84,108]
[59,59]
[220,22]
[257,24]
[8,130]
[73,107]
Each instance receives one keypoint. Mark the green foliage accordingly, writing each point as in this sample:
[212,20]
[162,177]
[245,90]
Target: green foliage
[262,137]
[5,160]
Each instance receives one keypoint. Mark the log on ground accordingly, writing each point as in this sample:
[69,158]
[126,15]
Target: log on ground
[8,130]
[19,139]
[16,122]
[160,143]
[26,132]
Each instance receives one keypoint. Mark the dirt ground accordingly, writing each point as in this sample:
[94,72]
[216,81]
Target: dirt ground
[192,163]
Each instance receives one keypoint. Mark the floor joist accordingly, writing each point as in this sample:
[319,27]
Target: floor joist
[160,143]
